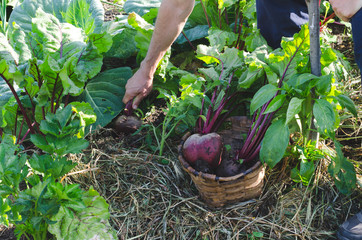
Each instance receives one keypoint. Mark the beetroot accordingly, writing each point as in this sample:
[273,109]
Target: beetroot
[127,123]
[207,147]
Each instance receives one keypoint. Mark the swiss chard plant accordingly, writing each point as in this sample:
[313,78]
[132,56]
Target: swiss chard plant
[32,197]
[49,59]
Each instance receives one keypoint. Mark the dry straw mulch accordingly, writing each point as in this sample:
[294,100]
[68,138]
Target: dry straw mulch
[153,200]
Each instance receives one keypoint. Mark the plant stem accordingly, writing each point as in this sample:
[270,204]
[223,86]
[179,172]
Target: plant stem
[188,40]
[26,134]
[53,95]
[19,102]
[207,18]
[58,101]
[226,16]
[31,101]
[236,17]
[220,26]
[20,130]
[16,122]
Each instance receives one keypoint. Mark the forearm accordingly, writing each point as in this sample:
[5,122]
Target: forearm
[171,19]
[346,9]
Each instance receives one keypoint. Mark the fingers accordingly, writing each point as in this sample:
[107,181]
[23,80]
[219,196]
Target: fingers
[136,94]
[138,87]
[127,97]
[137,100]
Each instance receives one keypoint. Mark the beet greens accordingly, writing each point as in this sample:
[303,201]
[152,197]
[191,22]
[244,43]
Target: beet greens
[263,117]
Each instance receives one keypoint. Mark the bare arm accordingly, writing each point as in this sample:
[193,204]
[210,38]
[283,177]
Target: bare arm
[171,19]
[345,9]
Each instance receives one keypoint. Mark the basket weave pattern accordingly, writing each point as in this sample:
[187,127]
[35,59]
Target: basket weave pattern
[220,191]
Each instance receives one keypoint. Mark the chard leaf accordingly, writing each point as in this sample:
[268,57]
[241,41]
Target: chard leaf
[275,143]
[208,54]
[250,76]
[123,46]
[59,133]
[105,93]
[256,67]
[102,41]
[299,42]
[86,115]
[294,107]
[47,29]
[232,59]
[70,82]
[327,57]
[78,15]
[8,114]
[144,34]
[210,73]
[13,169]
[197,17]
[51,84]
[220,38]
[226,3]
[20,41]
[88,63]
[55,168]
[7,52]
[255,40]
[25,12]
[324,115]
[5,92]
[195,33]
[140,7]
[90,222]
[265,94]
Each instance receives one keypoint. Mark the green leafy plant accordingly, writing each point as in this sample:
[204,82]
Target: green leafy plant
[298,97]
[33,199]
[308,156]
[256,235]
[227,22]
[51,52]
[45,63]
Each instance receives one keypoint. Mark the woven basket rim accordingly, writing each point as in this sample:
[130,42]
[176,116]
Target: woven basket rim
[209,176]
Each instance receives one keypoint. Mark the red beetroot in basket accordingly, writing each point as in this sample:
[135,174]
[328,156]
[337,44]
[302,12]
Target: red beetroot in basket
[207,147]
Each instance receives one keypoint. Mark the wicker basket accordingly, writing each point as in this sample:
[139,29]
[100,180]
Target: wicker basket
[220,191]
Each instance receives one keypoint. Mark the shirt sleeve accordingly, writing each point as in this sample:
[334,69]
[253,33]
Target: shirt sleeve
[357,38]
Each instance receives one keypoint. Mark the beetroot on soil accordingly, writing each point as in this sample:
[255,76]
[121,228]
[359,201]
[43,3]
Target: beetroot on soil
[127,123]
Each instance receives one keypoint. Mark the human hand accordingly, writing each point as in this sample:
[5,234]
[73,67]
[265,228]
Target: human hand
[138,87]
[345,9]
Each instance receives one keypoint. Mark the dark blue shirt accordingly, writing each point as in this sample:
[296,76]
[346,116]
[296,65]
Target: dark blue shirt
[357,38]
[278,18]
